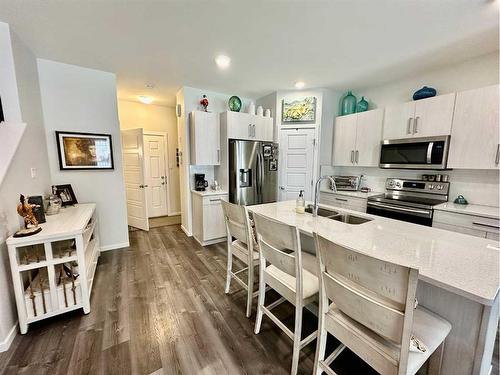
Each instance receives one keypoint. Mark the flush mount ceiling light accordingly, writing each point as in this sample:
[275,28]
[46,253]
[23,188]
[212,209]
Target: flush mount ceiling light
[145,99]
[299,85]
[223,61]
[150,85]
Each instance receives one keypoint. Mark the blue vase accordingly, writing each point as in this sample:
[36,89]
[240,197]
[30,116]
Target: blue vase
[348,104]
[362,105]
[424,92]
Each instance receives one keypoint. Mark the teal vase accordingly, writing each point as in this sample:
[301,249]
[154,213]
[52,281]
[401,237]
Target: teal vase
[362,105]
[234,104]
[348,104]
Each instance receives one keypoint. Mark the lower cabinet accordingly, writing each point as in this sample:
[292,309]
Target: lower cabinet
[343,201]
[208,218]
[472,225]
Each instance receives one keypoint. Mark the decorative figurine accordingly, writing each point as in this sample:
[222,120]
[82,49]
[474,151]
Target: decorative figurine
[25,210]
[204,103]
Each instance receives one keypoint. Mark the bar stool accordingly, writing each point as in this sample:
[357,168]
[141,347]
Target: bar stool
[243,247]
[279,245]
[373,313]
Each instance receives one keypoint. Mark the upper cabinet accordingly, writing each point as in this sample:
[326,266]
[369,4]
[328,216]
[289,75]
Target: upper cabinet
[246,126]
[357,139]
[205,138]
[420,118]
[474,142]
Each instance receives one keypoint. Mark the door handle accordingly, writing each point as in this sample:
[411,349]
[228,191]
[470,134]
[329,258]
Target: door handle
[282,188]
[357,156]
[415,127]
[408,126]
[352,156]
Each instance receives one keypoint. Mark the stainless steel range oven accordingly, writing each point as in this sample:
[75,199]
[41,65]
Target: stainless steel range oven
[409,200]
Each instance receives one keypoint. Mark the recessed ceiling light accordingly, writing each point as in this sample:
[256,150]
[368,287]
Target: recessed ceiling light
[223,61]
[150,85]
[145,99]
[299,85]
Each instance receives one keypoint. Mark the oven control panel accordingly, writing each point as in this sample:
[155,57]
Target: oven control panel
[400,184]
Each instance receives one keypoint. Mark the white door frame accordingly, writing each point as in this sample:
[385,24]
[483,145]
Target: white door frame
[167,166]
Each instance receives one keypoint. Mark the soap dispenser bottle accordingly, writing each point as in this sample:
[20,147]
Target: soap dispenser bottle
[300,203]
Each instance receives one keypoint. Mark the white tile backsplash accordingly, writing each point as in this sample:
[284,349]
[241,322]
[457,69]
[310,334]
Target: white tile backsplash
[477,186]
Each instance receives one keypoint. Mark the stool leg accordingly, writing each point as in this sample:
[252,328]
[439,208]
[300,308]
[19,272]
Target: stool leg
[262,295]
[250,288]
[296,339]
[320,345]
[229,268]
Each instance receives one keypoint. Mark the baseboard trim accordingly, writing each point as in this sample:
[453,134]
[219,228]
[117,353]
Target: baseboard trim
[186,232]
[115,246]
[5,344]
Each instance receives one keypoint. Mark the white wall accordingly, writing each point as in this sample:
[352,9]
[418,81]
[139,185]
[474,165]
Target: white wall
[84,100]
[22,99]
[478,186]
[152,117]
[189,99]
[478,72]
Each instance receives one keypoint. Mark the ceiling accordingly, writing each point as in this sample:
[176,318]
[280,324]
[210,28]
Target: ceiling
[272,44]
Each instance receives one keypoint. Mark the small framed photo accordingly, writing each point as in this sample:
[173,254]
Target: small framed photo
[67,195]
[78,151]
[38,209]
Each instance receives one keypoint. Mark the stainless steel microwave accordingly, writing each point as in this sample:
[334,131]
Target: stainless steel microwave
[415,153]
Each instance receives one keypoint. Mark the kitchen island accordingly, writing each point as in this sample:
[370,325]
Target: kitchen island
[458,274]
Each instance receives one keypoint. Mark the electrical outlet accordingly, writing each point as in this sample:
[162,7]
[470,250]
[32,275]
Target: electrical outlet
[34,173]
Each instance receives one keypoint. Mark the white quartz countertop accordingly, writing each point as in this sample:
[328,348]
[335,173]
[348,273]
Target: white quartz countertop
[469,209]
[209,192]
[462,264]
[69,221]
[356,194]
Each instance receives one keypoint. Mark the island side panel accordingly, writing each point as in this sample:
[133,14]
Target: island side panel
[465,339]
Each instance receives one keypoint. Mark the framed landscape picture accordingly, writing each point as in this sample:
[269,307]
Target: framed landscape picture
[84,151]
[298,110]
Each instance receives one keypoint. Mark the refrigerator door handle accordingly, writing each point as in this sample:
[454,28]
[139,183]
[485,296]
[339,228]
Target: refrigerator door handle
[261,174]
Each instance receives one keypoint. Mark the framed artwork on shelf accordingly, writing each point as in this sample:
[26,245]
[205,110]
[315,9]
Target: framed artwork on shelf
[298,110]
[67,195]
[84,151]
[38,210]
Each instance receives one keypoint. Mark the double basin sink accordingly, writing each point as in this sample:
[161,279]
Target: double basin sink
[334,215]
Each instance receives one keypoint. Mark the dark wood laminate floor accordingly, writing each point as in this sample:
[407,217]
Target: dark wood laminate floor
[159,307]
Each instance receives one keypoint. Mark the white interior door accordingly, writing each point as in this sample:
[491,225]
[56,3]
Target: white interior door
[155,175]
[297,153]
[133,172]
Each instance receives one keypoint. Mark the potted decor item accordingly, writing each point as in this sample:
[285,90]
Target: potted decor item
[362,105]
[234,103]
[424,92]
[204,103]
[348,105]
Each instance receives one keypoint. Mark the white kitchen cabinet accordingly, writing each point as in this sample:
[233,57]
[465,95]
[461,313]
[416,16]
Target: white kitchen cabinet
[208,217]
[245,126]
[205,138]
[420,118]
[344,140]
[474,142]
[343,201]
[357,139]
[473,225]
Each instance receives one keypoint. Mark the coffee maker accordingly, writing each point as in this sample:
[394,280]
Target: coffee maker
[199,182]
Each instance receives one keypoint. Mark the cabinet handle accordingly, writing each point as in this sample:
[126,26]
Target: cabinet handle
[249,130]
[357,156]
[352,156]
[143,186]
[254,133]
[486,225]
[408,126]
[341,199]
[415,128]
[215,200]
[218,156]
[497,158]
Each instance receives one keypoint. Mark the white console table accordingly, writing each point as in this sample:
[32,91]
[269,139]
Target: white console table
[41,285]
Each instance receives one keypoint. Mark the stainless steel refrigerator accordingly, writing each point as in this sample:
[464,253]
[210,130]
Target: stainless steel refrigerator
[253,172]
